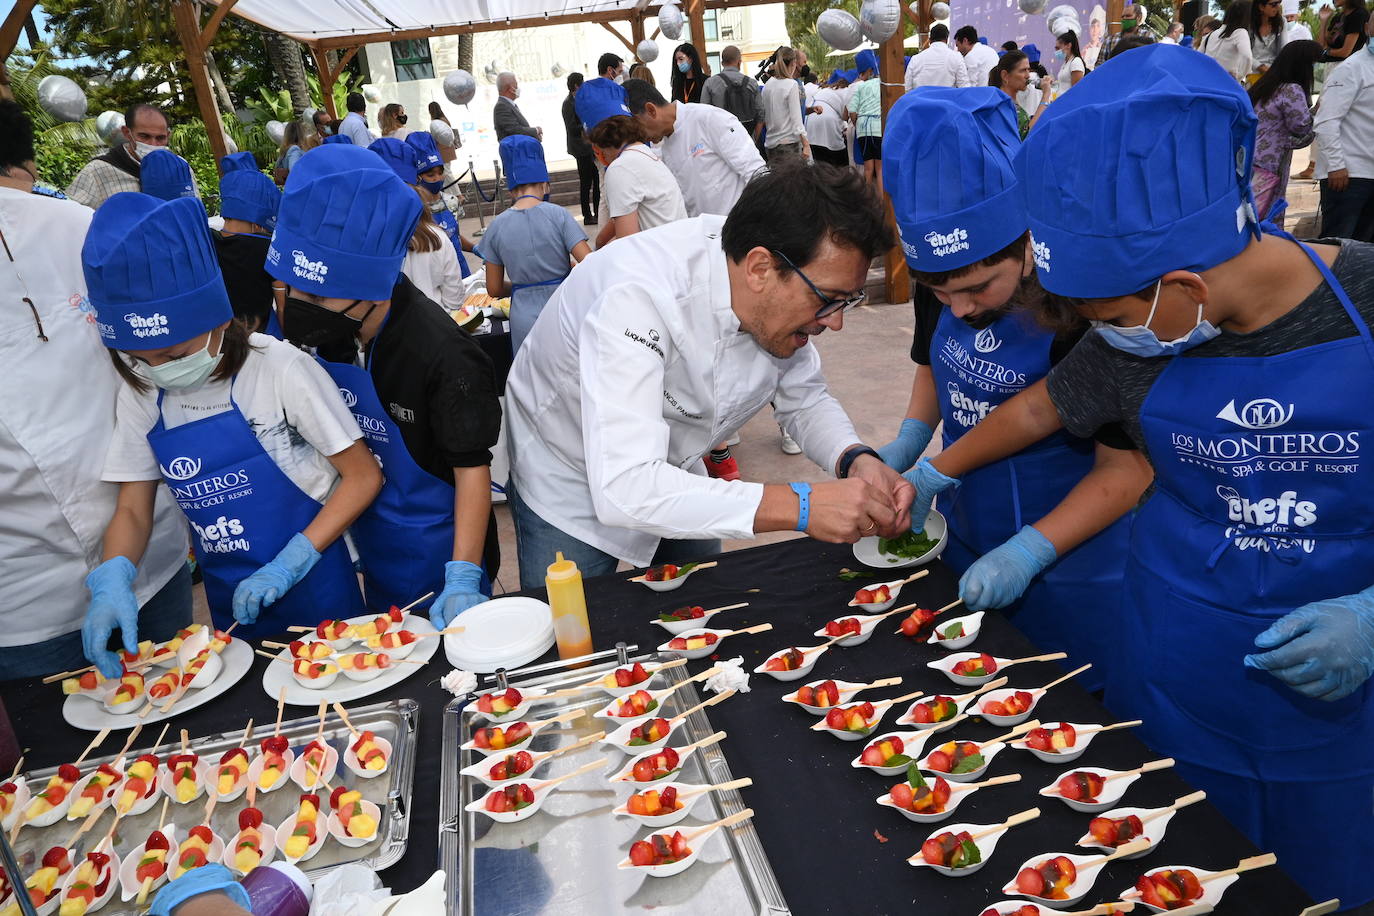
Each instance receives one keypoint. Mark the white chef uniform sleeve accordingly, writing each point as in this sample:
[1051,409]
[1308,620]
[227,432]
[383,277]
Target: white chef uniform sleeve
[804,407]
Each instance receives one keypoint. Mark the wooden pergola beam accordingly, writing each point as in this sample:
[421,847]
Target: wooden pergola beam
[194,41]
[892,72]
[623,40]
[9,37]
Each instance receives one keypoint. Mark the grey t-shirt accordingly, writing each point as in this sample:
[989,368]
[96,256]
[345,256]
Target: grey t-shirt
[1097,384]
[533,245]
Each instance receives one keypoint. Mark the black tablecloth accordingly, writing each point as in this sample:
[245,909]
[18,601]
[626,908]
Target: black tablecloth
[497,345]
[815,814]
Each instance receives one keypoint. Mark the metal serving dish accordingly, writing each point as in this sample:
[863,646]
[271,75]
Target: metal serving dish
[395,721]
[563,858]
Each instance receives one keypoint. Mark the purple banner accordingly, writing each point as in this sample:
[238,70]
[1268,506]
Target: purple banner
[1002,20]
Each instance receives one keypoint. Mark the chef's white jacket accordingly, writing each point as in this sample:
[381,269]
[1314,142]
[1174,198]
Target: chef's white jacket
[634,369]
[1345,119]
[712,157]
[57,403]
[937,65]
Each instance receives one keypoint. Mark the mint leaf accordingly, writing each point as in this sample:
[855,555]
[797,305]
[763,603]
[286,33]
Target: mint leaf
[897,760]
[684,570]
[966,855]
[969,764]
[914,777]
[953,631]
[849,575]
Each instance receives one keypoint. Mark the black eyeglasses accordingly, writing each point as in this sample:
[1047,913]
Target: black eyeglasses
[829,306]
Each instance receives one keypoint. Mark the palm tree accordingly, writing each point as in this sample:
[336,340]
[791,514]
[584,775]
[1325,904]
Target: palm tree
[285,55]
[465,51]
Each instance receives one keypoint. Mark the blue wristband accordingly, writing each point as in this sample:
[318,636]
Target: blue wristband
[803,491]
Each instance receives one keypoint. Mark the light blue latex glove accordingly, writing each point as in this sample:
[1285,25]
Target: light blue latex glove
[1323,650]
[275,579]
[998,577]
[113,604]
[204,880]
[929,483]
[462,590]
[901,453]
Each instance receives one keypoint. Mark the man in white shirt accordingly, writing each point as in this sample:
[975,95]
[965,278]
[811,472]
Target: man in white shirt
[642,361]
[706,148]
[56,421]
[1345,147]
[938,64]
[978,57]
[354,124]
[1172,36]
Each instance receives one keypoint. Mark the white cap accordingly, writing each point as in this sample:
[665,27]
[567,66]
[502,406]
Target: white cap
[1290,7]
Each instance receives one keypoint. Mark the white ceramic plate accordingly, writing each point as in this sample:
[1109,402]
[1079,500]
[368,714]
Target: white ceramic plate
[866,549]
[501,633]
[84,712]
[278,673]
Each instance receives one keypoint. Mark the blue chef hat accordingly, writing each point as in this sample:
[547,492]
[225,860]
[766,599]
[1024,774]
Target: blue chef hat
[851,75]
[343,225]
[1146,172]
[250,196]
[152,273]
[237,161]
[522,158]
[399,155]
[598,100]
[166,176]
[947,166]
[426,151]
[339,138]
[866,60]
[1032,52]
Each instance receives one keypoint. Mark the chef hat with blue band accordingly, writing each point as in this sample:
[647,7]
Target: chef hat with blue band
[598,100]
[250,196]
[166,176]
[399,156]
[522,159]
[152,273]
[343,225]
[339,138]
[426,151]
[947,167]
[865,60]
[1144,172]
[235,162]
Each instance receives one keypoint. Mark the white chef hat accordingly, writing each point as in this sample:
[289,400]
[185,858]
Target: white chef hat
[1290,7]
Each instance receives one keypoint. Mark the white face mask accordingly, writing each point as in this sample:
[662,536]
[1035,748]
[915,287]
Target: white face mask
[142,149]
[620,77]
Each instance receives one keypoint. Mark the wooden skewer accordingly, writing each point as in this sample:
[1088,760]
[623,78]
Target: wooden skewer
[589,739]
[585,768]
[882,682]
[565,717]
[324,711]
[990,685]
[724,822]
[1013,821]
[248,732]
[273,655]
[424,597]
[668,691]
[1074,673]
[1150,767]
[276,645]
[86,825]
[718,787]
[689,572]
[1126,906]
[300,629]
[955,603]
[704,742]
[18,768]
[1244,865]
[448,631]
[889,612]
[995,781]
[185,742]
[95,743]
[63,675]
[1131,848]
[727,607]
[1097,729]
[1018,730]
[343,716]
[757,628]
[1316,909]
[906,697]
[281,705]
[702,705]
[1048,657]
[163,734]
[1185,801]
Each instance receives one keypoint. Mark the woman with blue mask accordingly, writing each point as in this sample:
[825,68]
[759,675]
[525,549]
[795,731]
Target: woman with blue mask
[1240,361]
[247,432]
[1070,59]
[688,76]
[429,169]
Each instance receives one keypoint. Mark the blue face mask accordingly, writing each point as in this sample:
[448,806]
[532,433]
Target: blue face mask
[433,187]
[1141,341]
[1059,54]
[684,65]
[187,372]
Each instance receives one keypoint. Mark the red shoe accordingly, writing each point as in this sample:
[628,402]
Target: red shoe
[723,470]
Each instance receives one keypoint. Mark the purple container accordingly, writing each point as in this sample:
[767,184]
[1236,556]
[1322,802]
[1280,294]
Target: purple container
[279,889]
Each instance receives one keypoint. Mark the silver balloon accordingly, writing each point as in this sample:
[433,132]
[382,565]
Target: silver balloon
[670,21]
[1058,25]
[939,11]
[372,94]
[275,131]
[1061,11]
[230,147]
[558,71]
[62,98]
[839,29]
[107,125]
[459,87]
[442,133]
[647,51]
[879,19]
[1032,7]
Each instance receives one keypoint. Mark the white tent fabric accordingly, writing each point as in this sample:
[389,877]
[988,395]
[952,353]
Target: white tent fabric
[312,20]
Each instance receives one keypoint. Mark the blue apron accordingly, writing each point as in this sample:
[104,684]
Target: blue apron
[243,509]
[273,326]
[406,536]
[449,223]
[1262,504]
[1070,607]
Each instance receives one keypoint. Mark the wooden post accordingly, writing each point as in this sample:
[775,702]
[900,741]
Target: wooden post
[637,35]
[1114,8]
[194,43]
[327,77]
[695,16]
[896,280]
[9,37]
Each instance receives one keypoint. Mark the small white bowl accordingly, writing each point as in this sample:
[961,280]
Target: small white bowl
[656,697]
[105,798]
[331,766]
[867,625]
[626,773]
[214,854]
[694,654]
[338,644]
[213,667]
[375,645]
[322,682]
[669,584]
[149,797]
[240,786]
[1002,695]
[675,868]
[267,846]
[535,728]
[481,769]
[973,623]
[1087,866]
[913,743]
[128,706]
[288,825]
[945,666]
[874,607]
[53,814]
[110,872]
[1080,744]
[129,887]
[1110,795]
[298,648]
[880,709]
[606,682]
[21,798]
[363,675]
[528,697]
[989,750]
[847,690]
[618,739]
[961,705]
[682,626]
[542,789]
[350,758]
[1212,891]
[986,847]
[866,549]
[336,829]
[688,796]
[255,771]
[1154,829]
[167,783]
[955,800]
[810,655]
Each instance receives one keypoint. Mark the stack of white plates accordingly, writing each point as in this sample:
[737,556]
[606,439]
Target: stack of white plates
[502,633]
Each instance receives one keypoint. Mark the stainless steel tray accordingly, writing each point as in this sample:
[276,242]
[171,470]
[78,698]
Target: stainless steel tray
[396,721]
[563,858]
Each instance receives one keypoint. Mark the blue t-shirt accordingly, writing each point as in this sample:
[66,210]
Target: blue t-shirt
[532,245]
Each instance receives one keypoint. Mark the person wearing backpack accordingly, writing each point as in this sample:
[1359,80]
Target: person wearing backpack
[735,92]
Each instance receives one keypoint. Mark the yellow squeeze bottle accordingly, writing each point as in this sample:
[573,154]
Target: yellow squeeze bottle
[569,605]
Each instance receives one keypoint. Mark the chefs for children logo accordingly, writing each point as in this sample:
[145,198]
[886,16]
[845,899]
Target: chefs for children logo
[306,269]
[944,244]
[1041,252]
[964,410]
[154,325]
[1265,523]
[224,535]
[986,341]
[1261,413]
